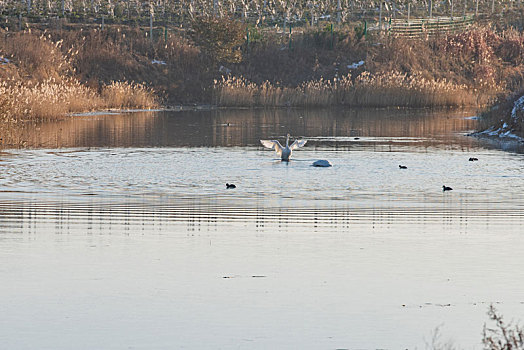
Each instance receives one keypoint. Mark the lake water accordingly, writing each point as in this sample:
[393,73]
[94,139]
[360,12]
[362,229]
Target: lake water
[117,232]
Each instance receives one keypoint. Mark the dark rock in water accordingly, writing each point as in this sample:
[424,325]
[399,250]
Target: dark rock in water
[230,186]
[322,163]
[473,159]
[402,167]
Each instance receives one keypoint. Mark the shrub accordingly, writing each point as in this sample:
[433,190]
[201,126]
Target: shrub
[503,336]
[219,38]
[36,56]
[126,95]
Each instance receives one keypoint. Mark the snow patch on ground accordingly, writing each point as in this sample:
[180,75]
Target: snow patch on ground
[355,65]
[518,106]
[224,70]
[113,112]
[500,132]
[93,114]
[179,108]
[505,131]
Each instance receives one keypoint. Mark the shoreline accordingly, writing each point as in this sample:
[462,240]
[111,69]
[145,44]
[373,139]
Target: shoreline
[209,107]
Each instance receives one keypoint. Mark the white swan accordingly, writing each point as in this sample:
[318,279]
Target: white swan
[283,152]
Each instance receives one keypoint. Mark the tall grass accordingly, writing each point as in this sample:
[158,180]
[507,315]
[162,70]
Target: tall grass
[51,99]
[36,55]
[465,69]
[47,99]
[122,53]
[126,95]
[39,80]
[457,70]
[367,90]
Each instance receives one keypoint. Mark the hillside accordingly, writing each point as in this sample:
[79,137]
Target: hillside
[228,63]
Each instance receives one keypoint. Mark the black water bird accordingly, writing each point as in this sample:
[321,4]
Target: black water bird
[402,167]
[446,188]
[473,159]
[230,186]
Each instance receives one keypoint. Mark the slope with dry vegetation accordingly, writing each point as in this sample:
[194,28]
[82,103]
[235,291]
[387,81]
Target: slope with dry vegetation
[466,69]
[39,79]
[77,68]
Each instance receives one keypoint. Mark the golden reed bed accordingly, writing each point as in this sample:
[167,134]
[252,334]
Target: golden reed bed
[392,89]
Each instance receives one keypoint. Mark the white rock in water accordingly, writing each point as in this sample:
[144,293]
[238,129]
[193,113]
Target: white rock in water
[322,163]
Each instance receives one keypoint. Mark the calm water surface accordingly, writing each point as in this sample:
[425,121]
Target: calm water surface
[117,231]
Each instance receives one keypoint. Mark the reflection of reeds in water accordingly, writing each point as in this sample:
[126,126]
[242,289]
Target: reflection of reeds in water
[245,128]
[122,130]
[367,90]
[248,127]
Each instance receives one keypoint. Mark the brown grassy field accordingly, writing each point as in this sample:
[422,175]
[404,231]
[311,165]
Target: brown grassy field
[466,69]
[378,90]
[55,72]
[39,79]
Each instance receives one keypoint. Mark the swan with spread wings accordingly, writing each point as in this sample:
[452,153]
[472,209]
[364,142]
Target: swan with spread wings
[283,152]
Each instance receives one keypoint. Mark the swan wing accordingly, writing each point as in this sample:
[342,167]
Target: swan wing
[272,144]
[297,144]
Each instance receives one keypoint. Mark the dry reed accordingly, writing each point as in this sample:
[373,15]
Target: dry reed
[126,95]
[50,99]
[458,70]
[367,90]
[37,80]
[47,99]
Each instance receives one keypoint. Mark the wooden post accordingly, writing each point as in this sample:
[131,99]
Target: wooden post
[332,37]
[339,9]
[492,6]
[409,11]
[465,7]
[247,40]
[452,10]
[380,19]
[63,8]
[430,8]
[476,8]
[289,41]
[102,22]
[151,26]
